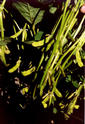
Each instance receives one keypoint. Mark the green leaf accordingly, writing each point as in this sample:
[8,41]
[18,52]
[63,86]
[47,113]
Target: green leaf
[52,10]
[39,35]
[27,11]
[75,84]
[31,14]
[82,53]
[68,78]
[54,110]
[39,17]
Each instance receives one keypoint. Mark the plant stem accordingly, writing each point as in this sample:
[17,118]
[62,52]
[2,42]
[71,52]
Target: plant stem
[3,3]
[1,26]
[2,31]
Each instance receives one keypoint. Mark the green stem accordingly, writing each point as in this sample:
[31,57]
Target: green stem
[57,43]
[1,26]
[69,50]
[66,61]
[2,31]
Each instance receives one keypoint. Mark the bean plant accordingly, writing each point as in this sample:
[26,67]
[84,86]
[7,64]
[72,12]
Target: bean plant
[60,50]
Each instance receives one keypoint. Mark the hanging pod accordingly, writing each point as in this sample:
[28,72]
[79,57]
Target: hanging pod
[78,59]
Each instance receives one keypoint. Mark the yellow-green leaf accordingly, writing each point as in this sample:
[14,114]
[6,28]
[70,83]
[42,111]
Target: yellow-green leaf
[55,110]
[52,10]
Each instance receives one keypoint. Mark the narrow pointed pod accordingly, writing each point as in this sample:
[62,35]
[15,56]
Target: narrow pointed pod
[79,46]
[17,34]
[73,102]
[24,33]
[16,66]
[78,59]
[29,71]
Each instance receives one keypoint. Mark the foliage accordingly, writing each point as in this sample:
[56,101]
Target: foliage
[60,50]
[31,14]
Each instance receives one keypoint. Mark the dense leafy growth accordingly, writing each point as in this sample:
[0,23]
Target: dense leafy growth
[51,60]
